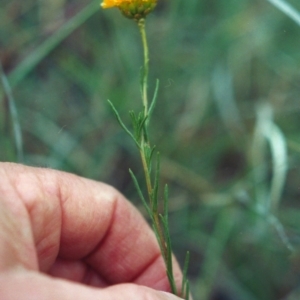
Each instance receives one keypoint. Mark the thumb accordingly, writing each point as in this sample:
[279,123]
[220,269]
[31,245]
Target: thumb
[136,292]
[168,296]
[33,285]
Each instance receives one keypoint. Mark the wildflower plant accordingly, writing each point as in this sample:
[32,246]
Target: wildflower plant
[138,10]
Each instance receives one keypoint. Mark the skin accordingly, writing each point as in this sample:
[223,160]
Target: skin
[67,237]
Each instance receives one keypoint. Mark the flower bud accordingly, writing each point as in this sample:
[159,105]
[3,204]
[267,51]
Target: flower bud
[132,9]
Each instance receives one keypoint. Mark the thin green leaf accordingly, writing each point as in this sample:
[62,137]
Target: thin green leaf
[164,220]
[151,154]
[138,123]
[154,99]
[135,124]
[184,276]
[137,186]
[169,262]
[133,118]
[141,125]
[122,124]
[166,203]
[155,229]
[187,290]
[156,182]
[172,282]
[142,76]
[166,231]
[145,131]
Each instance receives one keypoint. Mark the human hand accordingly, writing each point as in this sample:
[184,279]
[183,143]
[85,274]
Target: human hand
[66,237]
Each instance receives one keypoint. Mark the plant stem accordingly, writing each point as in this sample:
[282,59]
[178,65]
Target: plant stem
[141,24]
[145,145]
[144,92]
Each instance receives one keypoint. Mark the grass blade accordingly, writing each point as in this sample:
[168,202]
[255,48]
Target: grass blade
[287,9]
[14,115]
[33,59]
[279,158]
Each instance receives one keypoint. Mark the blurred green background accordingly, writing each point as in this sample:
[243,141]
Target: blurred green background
[226,123]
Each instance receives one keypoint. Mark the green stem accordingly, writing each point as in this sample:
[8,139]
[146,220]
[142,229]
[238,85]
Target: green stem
[144,143]
[141,24]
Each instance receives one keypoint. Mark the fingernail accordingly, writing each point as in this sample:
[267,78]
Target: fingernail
[168,296]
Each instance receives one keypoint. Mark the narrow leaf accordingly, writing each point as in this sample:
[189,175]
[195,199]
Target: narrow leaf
[158,239]
[187,290]
[154,99]
[122,124]
[141,125]
[166,202]
[168,244]
[142,76]
[151,154]
[156,183]
[184,276]
[172,282]
[135,124]
[137,186]
[133,117]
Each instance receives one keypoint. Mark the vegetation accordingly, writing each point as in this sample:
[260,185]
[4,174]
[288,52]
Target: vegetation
[227,123]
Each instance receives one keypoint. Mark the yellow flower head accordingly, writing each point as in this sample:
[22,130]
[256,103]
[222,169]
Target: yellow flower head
[133,9]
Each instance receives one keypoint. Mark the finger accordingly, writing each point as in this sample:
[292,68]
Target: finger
[31,285]
[77,219]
